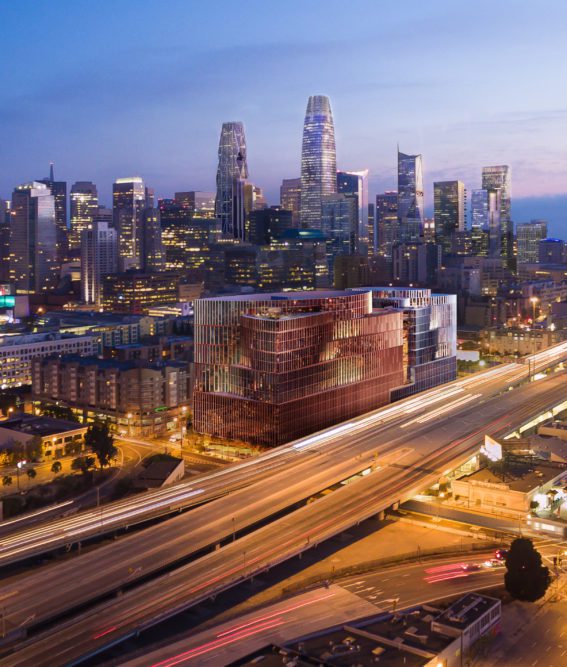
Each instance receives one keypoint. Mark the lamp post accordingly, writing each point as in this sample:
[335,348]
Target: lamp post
[19,466]
[129,415]
[534,301]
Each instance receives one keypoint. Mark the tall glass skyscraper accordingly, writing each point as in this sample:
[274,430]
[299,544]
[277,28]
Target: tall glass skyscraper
[449,200]
[128,202]
[498,180]
[318,160]
[354,184]
[410,197]
[84,207]
[529,234]
[386,223]
[232,171]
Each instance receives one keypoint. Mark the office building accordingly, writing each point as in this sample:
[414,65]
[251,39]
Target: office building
[186,237]
[59,191]
[199,203]
[129,199]
[290,198]
[104,214]
[33,239]
[387,224]
[430,322]
[339,224]
[411,212]
[528,235]
[318,160]
[551,251]
[99,258]
[17,352]
[449,201]
[372,238]
[136,292]
[267,224]
[152,255]
[497,180]
[232,172]
[138,398]
[270,368]
[84,209]
[416,263]
[354,184]
[479,222]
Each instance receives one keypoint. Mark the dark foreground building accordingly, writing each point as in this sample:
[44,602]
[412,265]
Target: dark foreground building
[270,368]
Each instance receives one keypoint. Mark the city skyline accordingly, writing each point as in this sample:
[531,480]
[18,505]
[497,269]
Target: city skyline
[371,105]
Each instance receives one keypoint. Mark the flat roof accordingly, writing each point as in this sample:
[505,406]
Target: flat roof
[465,611]
[519,477]
[285,296]
[39,425]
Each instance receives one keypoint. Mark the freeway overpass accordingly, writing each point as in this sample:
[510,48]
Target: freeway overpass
[416,444]
[59,533]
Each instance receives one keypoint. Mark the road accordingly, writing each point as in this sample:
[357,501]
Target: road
[425,407]
[409,585]
[436,445]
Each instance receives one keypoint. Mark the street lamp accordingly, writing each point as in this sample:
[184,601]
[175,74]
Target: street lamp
[19,466]
[129,415]
[534,301]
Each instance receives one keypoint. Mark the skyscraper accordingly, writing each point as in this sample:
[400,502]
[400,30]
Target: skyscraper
[99,258]
[59,192]
[498,180]
[355,184]
[129,199]
[318,160]
[33,238]
[479,221]
[529,234]
[152,255]
[410,197]
[198,202]
[449,201]
[339,224]
[84,208]
[290,198]
[386,223]
[232,171]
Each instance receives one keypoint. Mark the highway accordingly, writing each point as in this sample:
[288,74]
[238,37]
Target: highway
[121,514]
[419,451]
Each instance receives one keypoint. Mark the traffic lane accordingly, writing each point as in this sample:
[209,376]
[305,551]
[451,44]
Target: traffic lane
[24,608]
[194,582]
[278,623]
[137,568]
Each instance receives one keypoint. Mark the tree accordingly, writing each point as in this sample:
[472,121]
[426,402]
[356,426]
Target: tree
[83,463]
[59,412]
[56,467]
[6,480]
[526,578]
[31,473]
[100,440]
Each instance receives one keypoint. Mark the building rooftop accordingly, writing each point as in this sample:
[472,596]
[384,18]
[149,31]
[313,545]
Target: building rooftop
[157,472]
[39,425]
[465,611]
[32,338]
[286,296]
[519,477]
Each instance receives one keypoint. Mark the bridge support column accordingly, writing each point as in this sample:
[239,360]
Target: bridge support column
[380,516]
[396,506]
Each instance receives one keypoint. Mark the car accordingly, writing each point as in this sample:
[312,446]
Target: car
[470,567]
[500,554]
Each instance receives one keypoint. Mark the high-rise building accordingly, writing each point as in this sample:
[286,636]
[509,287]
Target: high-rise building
[411,211]
[497,180]
[430,323]
[318,160]
[449,201]
[355,184]
[387,223]
[479,221]
[152,256]
[551,251]
[84,208]
[372,238]
[416,263]
[529,234]
[266,224]
[104,214]
[59,192]
[290,198]
[33,238]
[232,171]
[99,258]
[339,224]
[129,199]
[270,368]
[199,203]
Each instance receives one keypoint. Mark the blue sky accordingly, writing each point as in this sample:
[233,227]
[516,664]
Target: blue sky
[116,88]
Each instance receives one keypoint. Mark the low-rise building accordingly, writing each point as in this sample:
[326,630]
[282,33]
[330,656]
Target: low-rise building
[134,292]
[53,438]
[138,398]
[17,352]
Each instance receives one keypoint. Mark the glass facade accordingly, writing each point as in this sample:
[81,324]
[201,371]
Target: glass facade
[84,207]
[529,234]
[272,368]
[232,171]
[387,225]
[318,160]
[411,212]
[128,202]
[430,328]
[354,184]
[498,181]
[449,202]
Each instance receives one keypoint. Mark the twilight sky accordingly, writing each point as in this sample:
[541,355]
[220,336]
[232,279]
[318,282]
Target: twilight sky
[112,88]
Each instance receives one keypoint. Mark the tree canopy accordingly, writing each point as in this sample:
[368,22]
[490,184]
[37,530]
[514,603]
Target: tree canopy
[99,439]
[526,578]
[59,412]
